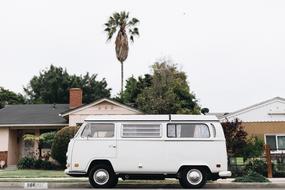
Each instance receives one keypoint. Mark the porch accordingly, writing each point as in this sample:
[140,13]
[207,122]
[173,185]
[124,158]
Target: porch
[14,147]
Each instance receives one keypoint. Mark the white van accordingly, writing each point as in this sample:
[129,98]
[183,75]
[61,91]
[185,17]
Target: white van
[191,148]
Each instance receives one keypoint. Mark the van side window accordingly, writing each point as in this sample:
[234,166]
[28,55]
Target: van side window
[98,130]
[188,130]
[141,131]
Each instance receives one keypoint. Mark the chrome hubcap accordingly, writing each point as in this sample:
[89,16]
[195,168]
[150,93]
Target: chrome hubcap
[194,176]
[101,176]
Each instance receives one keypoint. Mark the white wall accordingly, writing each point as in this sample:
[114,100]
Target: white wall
[103,108]
[4,139]
[272,111]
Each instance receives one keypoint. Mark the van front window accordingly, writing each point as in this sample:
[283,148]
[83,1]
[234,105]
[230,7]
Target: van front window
[98,130]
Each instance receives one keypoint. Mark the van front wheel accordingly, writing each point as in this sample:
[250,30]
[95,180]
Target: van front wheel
[102,176]
[193,178]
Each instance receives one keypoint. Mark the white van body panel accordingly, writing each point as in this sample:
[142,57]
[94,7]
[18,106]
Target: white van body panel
[158,155]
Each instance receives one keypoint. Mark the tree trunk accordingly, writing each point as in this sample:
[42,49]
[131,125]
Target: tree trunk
[122,78]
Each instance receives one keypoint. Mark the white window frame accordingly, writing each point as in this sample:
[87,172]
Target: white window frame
[276,140]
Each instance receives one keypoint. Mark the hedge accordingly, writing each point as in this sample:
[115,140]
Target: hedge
[60,143]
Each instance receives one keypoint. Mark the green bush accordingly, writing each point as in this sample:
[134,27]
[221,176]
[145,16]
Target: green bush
[251,176]
[26,163]
[32,163]
[253,148]
[60,143]
[258,166]
[46,139]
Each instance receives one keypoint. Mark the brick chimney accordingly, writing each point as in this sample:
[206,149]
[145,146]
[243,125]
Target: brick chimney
[75,97]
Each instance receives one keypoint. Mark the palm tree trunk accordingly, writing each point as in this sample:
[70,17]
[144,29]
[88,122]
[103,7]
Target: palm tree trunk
[122,78]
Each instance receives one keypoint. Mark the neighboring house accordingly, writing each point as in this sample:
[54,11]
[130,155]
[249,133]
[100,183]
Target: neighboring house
[265,120]
[18,120]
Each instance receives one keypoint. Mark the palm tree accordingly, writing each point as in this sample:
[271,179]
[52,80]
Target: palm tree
[121,24]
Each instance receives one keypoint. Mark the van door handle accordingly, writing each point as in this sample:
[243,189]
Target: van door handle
[113,146]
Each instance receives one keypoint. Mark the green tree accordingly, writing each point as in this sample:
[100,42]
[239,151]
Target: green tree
[169,92]
[121,24]
[52,85]
[9,97]
[134,87]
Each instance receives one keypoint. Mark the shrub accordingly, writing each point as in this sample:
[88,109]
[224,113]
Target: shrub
[258,166]
[46,139]
[251,176]
[60,143]
[26,163]
[32,163]
[253,148]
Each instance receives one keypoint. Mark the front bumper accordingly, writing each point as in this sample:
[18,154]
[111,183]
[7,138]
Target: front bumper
[75,173]
[225,174]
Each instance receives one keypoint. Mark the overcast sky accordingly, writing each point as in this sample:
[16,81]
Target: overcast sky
[232,51]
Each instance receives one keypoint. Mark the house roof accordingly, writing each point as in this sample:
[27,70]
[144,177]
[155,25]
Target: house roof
[32,114]
[67,112]
[252,107]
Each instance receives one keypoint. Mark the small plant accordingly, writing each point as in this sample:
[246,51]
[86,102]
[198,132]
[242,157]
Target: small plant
[258,166]
[251,176]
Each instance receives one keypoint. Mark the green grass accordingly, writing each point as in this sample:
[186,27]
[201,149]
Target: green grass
[32,173]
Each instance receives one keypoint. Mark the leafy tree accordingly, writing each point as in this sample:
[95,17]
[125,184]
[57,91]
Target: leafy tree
[52,85]
[168,93]
[134,87]
[125,26]
[9,97]
[236,137]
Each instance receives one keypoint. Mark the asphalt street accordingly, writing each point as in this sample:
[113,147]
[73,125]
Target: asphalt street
[121,188]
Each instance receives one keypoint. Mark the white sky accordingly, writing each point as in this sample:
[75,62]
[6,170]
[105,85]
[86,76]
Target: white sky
[232,51]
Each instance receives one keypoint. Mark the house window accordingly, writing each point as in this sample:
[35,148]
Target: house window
[276,142]
[189,130]
[141,131]
[98,130]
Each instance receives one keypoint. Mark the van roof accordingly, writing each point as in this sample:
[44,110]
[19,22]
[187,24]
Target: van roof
[171,117]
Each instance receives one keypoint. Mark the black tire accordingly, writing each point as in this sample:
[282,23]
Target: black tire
[110,181]
[188,183]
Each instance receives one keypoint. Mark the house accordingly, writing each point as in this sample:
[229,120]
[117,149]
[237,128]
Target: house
[18,120]
[265,120]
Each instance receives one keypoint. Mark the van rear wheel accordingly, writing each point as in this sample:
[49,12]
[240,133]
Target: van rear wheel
[102,176]
[193,178]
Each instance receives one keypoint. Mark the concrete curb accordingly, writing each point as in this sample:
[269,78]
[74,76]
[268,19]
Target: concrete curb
[131,185]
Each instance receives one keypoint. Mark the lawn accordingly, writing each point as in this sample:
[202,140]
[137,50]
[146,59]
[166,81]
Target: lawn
[32,173]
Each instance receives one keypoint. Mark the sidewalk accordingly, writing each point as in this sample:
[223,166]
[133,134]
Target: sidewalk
[171,183]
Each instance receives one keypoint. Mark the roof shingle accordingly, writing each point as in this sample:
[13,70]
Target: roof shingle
[33,114]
